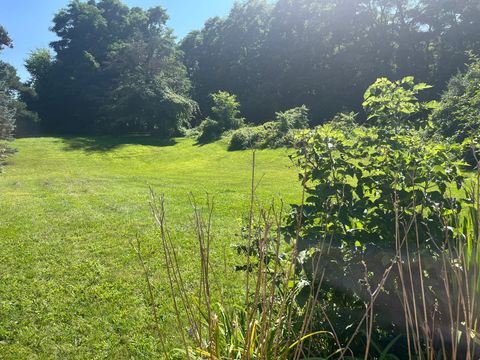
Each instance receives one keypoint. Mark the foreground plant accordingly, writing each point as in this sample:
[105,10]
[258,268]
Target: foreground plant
[388,217]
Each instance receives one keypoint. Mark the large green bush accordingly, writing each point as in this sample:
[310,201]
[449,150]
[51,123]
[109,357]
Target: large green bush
[296,118]
[369,191]
[209,130]
[360,184]
[225,116]
[356,178]
[256,137]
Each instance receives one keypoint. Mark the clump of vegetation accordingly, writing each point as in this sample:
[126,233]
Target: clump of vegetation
[458,114]
[384,228]
[395,104]
[367,249]
[272,134]
[382,219]
[296,118]
[225,116]
[254,137]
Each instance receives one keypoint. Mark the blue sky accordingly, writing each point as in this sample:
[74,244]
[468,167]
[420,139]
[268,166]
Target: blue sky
[27,21]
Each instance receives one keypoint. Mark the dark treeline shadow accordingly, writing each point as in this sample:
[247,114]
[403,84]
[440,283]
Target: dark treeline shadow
[107,143]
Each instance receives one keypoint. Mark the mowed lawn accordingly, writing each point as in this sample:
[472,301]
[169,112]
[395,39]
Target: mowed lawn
[70,284]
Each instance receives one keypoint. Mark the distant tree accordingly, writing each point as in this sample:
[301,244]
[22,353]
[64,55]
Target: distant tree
[225,55]
[150,91]
[26,121]
[226,110]
[4,39]
[7,111]
[38,64]
[114,69]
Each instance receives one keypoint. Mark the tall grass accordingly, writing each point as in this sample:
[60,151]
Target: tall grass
[442,318]
[261,328]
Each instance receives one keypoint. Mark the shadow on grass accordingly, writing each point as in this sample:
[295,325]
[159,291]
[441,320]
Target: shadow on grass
[203,140]
[107,143]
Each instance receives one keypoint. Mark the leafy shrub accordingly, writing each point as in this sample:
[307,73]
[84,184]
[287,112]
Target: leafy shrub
[247,138]
[272,134]
[360,183]
[296,118]
[225,116]
[361,168]
[395,104]
[256,137]
[458,114]
[226,111]
[209,130]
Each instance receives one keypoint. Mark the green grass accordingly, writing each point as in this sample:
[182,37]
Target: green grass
[70,285]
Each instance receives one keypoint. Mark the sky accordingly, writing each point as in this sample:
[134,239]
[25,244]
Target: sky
[28,21]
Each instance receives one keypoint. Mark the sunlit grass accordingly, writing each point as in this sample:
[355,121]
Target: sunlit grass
[70,285]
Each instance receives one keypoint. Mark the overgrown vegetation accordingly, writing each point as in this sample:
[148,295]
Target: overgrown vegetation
[266,325]
[400,279]
[458,114]
[225,116]
[370,193]
[280,132]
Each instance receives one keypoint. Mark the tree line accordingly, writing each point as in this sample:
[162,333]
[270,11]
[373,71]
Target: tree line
[325,53]
[117,69]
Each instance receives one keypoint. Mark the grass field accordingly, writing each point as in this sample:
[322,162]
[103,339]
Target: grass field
[70,284]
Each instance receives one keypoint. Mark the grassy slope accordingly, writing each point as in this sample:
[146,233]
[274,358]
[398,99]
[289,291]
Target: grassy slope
[70,285]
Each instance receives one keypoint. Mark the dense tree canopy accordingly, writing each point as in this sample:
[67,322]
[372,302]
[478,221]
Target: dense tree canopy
[325,53]
[114,69]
